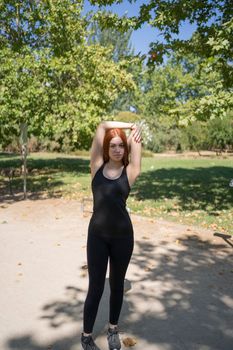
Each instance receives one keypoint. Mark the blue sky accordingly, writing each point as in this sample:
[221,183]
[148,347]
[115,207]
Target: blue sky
[142,37]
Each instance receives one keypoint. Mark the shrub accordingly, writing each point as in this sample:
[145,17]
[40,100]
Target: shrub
[220,133]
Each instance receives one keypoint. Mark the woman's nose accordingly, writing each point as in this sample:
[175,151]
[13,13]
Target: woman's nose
[119,149]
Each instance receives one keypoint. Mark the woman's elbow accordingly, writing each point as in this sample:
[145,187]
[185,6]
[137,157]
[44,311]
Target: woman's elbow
[103,125]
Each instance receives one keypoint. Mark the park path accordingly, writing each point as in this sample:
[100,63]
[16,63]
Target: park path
[178,289]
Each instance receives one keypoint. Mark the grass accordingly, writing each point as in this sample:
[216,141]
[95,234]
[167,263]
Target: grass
[184,190]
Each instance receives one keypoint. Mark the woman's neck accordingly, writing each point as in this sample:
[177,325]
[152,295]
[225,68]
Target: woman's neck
[114,164]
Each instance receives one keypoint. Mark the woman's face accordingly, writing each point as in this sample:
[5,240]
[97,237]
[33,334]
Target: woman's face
[116,149]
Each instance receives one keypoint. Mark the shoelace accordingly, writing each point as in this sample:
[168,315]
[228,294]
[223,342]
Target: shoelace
[91,345]
[113,335]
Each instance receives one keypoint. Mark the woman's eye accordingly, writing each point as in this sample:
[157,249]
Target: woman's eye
[114,146]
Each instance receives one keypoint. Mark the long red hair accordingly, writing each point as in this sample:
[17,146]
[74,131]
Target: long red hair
[110,134]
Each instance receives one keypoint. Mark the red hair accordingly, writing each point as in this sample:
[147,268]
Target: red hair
[110,134]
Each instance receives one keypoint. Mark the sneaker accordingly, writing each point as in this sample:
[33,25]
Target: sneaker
[88,343]
[113,339]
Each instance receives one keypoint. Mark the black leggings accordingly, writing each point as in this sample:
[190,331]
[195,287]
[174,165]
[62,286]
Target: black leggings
[99,250]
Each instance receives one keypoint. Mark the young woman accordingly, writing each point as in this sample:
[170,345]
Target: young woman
[110,231]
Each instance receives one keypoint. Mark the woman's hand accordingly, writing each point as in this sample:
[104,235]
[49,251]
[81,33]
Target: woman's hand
[137,132]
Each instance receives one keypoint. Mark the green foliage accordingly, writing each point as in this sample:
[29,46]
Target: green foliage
[112,38]
[183,91]
[211,46]
[164,138]
[128,117]
[62,84]
[119,44]
[194,137]
[213,20]
[220,133]
[171,92]
[215,135]
[22,92]
[42,24]
[51,78]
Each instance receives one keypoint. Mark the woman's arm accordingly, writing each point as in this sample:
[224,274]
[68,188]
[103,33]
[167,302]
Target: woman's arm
[97,143]
[134,142]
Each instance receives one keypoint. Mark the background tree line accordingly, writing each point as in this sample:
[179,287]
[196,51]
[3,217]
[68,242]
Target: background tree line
[62,72]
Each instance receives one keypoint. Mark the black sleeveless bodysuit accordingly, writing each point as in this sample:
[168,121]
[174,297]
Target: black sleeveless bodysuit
[110,216]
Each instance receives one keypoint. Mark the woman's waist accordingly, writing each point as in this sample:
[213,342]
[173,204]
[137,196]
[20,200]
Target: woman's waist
[114,221]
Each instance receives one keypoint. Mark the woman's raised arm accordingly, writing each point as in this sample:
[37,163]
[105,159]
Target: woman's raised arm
[134,142]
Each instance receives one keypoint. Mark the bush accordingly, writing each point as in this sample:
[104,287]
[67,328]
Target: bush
[33,144]
[13,146]
[50,145]
[220,133]
[164,138]
[194,137]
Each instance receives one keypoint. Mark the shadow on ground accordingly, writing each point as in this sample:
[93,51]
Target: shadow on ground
[180,298]
[199,188]
[204,188]
[40,177]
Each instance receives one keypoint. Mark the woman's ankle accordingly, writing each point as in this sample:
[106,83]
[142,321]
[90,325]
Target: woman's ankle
[86,334]
[113,326]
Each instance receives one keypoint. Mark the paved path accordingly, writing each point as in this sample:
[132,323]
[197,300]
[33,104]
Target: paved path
[178,291]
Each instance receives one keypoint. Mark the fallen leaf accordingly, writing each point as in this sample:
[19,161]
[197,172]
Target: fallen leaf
[84,267]
[128,342]
[83,274]
[147,269]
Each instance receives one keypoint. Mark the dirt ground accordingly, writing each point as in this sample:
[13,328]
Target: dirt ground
[178,288]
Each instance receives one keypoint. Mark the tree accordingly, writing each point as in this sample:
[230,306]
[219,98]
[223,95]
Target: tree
[211,42]
[186,91]
[122,50]
[211,18]
[112,38]
[51,78]
[220,134]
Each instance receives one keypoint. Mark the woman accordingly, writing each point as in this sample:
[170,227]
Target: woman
[110,231]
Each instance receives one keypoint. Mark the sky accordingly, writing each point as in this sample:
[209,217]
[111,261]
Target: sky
[142,37]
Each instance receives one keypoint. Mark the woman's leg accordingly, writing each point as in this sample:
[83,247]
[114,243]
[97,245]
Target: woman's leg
[120,253]
[97,260]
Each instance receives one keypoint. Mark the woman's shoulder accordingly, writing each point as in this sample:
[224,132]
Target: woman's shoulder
[95,169]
